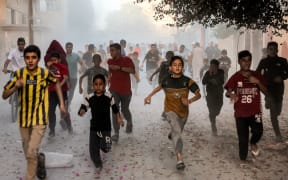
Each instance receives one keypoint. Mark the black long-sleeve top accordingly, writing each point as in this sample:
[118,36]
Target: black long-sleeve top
[100,110]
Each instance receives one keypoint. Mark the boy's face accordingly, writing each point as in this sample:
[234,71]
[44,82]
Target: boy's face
[272,50]
[115,52]
[213,68]
[31,59]
[99,86]
[97,62]
[176,67]
[54,60]
[21,46]
[69,49]
[245,63]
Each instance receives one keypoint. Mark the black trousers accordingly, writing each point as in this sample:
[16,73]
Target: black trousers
[274,103]
[242,125]
[214,104]
[99,140]
[53,102]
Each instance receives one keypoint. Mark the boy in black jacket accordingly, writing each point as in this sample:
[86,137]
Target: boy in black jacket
[100,103]
[275,71]
[214,80]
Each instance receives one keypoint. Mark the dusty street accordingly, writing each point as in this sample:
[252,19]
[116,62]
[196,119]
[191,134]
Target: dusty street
[147,153]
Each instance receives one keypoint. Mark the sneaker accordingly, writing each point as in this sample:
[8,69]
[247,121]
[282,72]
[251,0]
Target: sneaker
[63,124]
[99,164]
[52,133]
[255,151]
[115,137]
[180,165]
[163,116]
[41,170]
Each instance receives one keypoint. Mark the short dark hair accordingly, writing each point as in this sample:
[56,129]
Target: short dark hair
[96,56]
[215,62]
[115,45]
[32,48]
[272,43]
[224,52]
[55,54]
[68,44]
[99,76]
[170,53]
[122,41]
[244,53]
[176,57]
[20,39]
[91,47]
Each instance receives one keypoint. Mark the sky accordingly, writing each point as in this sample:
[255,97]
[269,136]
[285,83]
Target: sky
[105,7]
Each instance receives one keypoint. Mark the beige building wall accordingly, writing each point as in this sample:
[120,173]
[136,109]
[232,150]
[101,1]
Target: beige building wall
[48,23]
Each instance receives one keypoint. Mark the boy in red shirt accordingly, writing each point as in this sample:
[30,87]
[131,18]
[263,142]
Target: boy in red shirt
[244,90]
[59,71]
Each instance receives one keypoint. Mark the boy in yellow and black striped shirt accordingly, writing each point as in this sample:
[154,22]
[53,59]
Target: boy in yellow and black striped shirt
[31,83]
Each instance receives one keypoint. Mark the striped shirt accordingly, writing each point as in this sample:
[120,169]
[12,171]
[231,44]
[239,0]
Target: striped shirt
[175,89]
[32,96]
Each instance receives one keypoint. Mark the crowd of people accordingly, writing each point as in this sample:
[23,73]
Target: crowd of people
[178,71]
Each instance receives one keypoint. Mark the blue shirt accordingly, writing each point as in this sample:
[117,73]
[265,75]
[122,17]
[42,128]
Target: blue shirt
[72,61]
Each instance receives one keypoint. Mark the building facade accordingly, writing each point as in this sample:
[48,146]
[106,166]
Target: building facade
[48,21]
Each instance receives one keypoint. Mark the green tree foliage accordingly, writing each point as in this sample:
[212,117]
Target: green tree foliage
[249,14]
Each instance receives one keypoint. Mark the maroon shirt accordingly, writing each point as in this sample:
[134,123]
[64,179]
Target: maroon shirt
[249,102]
[58,70]
[120,81]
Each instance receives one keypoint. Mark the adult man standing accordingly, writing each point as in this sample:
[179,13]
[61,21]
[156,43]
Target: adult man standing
[15,56]
[72,59]
[275,70]
[120,68]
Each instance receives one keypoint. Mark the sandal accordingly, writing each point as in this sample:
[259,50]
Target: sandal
[180,165]
[41,170]
[255,152]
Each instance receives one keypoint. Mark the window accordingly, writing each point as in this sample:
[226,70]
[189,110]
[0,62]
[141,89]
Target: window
[53,5]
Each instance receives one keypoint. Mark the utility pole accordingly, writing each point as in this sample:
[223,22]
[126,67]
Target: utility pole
[30,21]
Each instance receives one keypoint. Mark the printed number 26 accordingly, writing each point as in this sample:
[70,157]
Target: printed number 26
[246,99]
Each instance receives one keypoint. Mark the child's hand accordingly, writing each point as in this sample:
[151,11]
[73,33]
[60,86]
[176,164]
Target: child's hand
[82,112]
[114,67]
[185,101]
[19,83]
[234,98]
[63,110]
[253,79]
[147,100]
[120,121]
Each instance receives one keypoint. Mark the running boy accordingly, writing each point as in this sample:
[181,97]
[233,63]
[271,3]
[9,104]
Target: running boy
[60,71]
[32,83]
[214,80]
[91,72]
[100,103]
[244,90]
[176,88]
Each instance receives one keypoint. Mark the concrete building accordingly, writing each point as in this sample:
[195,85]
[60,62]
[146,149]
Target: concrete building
[47,24]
